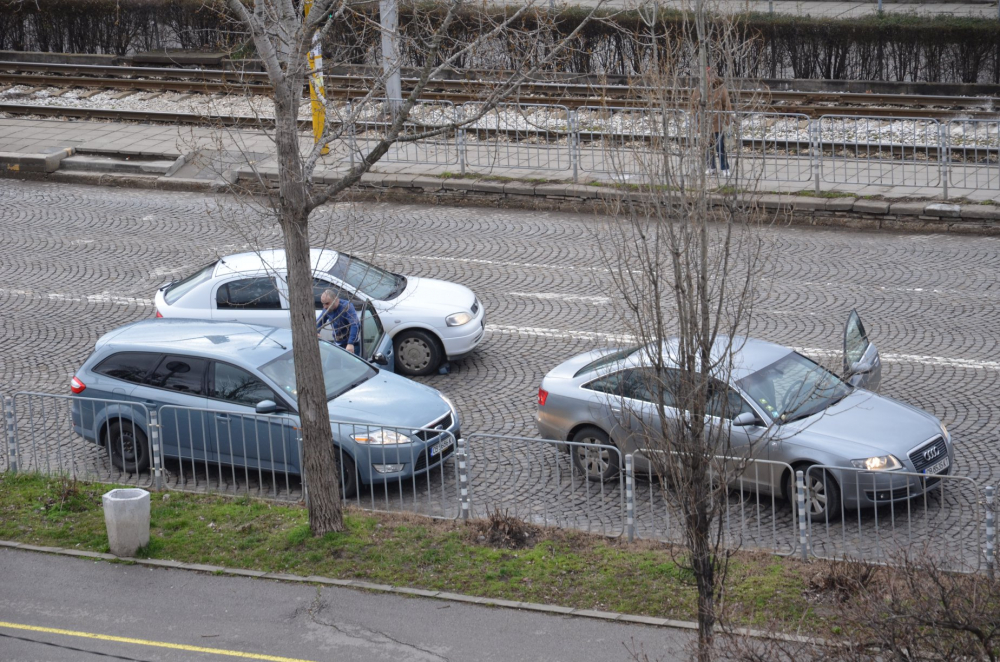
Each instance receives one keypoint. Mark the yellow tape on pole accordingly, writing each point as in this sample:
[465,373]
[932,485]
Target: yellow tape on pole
[317,93]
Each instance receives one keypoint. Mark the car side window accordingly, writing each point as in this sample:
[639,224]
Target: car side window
[637,383]
[236,385]
[249,293]
[128,366]
[185,374]
[724,402]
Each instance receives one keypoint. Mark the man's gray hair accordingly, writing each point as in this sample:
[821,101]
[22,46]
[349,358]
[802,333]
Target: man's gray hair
[333,296]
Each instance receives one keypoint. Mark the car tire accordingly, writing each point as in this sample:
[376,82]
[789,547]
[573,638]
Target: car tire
[128,446]
[822,494]
[597,464]
[417,353]
[348,475]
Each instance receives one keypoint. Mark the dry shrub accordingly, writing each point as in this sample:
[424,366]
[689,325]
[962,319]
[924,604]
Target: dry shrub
[504,530]
[842,579]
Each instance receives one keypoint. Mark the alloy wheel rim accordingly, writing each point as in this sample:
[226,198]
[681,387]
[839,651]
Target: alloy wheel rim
[595,461]
[816,495]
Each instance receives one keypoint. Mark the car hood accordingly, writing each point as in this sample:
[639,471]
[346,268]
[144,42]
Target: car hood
[389,400]
[430,295]
[861,425]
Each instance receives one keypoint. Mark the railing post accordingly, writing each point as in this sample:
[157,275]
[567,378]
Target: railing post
[154,444]
[350,148]
[944,154]
[574,145]
[463,479]
[629,498]
[461,139]
[800,488]
[990,532]
[302,469]
[816,151]
[11,434]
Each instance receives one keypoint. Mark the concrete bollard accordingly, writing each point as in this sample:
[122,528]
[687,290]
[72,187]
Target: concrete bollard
[126,515]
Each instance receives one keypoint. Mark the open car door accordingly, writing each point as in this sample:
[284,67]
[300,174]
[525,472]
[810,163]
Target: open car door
[374,339]
[862,365]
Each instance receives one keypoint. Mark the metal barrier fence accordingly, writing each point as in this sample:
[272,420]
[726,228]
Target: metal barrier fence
[520,135]
[544,482]
[974,153]
[755,514]
[376,116]
[81,438]
[8,451]
[880,151]
[773,146]
[936,516]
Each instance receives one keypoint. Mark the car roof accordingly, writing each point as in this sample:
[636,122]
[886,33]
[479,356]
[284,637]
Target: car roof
[749,354]
[250,344]
[321,259]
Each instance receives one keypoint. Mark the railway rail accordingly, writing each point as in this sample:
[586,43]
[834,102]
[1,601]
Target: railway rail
[572,95]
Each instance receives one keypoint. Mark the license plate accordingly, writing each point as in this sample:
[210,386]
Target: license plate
[938,467]
[441,447]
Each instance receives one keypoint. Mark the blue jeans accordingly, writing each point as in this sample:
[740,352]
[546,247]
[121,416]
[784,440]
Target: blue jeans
[718,146]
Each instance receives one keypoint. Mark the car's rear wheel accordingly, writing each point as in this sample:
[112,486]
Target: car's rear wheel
[822,493]
[417,353]
[598,461]
[128,446]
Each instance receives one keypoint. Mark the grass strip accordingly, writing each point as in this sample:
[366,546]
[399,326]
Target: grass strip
[558,566]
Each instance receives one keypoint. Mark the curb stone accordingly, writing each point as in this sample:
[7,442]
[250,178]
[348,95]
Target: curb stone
[408,591]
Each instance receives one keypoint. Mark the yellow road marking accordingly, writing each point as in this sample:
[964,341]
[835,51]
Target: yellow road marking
[145,642]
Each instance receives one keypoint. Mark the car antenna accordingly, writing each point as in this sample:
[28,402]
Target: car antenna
[264,336]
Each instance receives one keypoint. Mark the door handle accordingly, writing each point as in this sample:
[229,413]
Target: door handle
[222,417]
[616,410]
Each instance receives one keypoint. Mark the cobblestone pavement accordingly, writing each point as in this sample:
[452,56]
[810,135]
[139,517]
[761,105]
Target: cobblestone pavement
[76,262]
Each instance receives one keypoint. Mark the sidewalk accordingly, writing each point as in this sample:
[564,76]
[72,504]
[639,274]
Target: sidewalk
[172,157]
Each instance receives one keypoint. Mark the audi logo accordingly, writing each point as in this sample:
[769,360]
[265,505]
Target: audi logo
[931,453]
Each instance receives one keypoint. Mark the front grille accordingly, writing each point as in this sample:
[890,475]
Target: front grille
[421,462]
[436,428]
[928,454]
[900,493]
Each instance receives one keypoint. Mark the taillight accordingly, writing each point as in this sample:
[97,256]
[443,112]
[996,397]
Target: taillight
[543,395]
[159,314]
[77,386]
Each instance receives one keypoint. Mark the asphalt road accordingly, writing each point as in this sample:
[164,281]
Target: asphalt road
[76,262]
[178,615]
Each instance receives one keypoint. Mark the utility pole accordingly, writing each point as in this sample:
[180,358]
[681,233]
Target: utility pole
[317,93]
[389,18]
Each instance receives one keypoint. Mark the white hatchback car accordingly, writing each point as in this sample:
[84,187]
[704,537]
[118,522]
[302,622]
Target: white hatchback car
[429,320]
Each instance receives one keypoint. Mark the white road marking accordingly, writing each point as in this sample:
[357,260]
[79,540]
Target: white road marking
[469,260]
[971,364]
[596,300]
[104,297]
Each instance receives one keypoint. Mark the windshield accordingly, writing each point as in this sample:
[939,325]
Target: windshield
[175,291]
[794,387]
[369,279]
[607,359]
[342,371]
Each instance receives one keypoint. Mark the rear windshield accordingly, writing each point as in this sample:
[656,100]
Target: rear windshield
[176,290]
[607,359]
[369,279]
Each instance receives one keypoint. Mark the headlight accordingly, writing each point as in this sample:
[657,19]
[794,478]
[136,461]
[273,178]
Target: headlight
[880,463]
[381,437]
[458,319]
[944,431]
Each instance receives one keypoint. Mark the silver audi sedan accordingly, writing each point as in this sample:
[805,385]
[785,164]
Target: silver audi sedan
[776,405]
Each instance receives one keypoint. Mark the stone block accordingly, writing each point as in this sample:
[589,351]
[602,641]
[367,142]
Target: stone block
[871,206]
[981,212]
[943,210]
[907,208]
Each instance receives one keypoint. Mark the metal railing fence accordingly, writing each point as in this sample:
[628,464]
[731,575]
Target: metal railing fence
[543,481]
[761,146]
[46,433]
[501,467]
[936,516]
[973,153]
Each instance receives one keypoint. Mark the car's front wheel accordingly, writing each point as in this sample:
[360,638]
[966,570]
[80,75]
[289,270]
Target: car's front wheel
[598,460]
[348,476]
[821,491]
[128,446]
[417,353]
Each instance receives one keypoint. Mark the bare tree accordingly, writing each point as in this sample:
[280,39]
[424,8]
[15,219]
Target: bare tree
[282,38]
[685,255]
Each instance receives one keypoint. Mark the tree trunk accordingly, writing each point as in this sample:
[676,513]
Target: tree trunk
[318,456]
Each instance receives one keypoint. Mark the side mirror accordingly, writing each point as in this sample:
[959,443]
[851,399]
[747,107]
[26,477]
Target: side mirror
[380,359]
[861,367]
[266,407]
[744,420]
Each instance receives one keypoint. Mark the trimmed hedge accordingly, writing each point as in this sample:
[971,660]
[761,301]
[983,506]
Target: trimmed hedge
[891,47]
